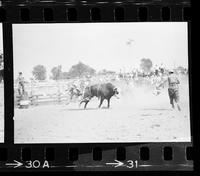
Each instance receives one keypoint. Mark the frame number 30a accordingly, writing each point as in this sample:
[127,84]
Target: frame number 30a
[37,164]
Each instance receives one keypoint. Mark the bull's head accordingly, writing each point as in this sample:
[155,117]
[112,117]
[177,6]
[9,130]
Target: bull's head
[116,92]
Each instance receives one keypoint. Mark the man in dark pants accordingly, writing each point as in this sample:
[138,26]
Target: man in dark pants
[20,81]
[173,89]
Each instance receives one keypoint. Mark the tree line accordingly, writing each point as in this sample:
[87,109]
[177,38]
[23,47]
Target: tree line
[80,70]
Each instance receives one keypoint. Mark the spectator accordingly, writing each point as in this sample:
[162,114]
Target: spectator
[20,81]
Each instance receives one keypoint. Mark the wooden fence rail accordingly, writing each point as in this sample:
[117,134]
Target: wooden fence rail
[49,99]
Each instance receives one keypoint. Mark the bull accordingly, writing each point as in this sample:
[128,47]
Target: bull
[101,91]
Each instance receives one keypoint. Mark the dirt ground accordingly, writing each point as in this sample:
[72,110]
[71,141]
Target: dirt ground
[1,113]
[138,116]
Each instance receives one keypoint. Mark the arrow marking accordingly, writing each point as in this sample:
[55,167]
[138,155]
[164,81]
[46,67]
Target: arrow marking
[15,164]
[117,164]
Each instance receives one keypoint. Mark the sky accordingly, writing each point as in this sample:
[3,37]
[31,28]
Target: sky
[111,46]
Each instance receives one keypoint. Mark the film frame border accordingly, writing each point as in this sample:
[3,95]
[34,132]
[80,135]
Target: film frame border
[17,152]
[102,11]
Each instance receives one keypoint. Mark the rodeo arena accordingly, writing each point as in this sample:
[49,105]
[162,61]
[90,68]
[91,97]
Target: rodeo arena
[106,107]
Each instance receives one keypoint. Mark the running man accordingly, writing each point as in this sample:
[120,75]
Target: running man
[173,89]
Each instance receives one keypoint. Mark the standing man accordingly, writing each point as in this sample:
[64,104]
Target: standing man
[156,70]
[20,80]
[161,68]
[1,72]
[173,89]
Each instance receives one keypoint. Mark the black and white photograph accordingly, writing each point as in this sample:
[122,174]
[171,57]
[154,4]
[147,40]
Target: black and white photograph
[1,87]
[100,82]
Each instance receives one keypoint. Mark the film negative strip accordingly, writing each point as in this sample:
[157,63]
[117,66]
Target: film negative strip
[96,85]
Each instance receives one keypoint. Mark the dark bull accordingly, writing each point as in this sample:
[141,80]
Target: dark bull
[102,91]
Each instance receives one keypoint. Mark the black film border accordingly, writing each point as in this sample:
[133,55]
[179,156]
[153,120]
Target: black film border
[87,157]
